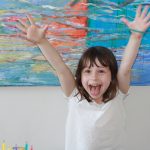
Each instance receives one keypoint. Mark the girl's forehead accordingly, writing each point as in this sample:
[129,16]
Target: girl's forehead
[89,63]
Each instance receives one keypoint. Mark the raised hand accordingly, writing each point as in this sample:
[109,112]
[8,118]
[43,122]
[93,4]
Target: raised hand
[141,22]
[31,31]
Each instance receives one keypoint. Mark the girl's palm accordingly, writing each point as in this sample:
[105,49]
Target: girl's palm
[32,32]
[141,21]
[35,33]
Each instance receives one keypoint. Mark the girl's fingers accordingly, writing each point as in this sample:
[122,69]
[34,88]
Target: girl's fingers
[144,12]
[138,11]
[44,28]
[125,21]
[22,35]
[31,19]
[20,27]
[148,24]
[147,18]
[23,23]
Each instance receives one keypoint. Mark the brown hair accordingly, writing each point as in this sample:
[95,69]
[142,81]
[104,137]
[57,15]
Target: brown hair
[107,59]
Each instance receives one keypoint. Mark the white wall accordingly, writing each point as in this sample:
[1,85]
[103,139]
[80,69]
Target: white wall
[38,114]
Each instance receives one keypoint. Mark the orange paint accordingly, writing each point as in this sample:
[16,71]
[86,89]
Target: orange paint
[69,28]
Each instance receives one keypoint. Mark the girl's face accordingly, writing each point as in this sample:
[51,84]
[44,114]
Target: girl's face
[95,80]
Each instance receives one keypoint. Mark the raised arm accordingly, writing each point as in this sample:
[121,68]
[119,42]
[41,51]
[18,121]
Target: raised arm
[36,35]
[138,26]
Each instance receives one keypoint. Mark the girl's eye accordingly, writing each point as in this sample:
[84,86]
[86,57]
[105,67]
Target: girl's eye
[101,71]
[87,71]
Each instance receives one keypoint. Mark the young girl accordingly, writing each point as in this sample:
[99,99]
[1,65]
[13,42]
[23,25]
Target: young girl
[96,119]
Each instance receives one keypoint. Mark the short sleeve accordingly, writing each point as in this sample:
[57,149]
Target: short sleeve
[74,92]
[123,96]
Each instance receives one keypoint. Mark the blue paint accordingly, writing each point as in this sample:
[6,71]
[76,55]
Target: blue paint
[108,29]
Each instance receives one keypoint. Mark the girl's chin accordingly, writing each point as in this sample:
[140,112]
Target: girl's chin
[96,97]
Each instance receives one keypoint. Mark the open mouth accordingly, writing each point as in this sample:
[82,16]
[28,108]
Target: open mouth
[95,89]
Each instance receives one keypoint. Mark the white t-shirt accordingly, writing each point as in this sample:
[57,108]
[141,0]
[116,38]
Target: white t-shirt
[92,126]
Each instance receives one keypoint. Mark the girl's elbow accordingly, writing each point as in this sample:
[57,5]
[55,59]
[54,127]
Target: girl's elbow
[124,89]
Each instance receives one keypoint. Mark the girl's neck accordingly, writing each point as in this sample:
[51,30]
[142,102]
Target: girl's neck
[98,101]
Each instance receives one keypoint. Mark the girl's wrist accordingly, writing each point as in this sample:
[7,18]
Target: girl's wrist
[136,36]
[137,33]
[42,41]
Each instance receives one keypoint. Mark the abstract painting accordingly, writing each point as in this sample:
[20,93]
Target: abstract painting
[73,26]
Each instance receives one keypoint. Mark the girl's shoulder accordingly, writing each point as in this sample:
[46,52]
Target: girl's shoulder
[122,96]
[74,95]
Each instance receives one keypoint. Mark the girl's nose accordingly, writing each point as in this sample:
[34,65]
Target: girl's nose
[94,76]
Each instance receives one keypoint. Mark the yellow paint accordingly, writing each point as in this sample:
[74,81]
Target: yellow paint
[2,11]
